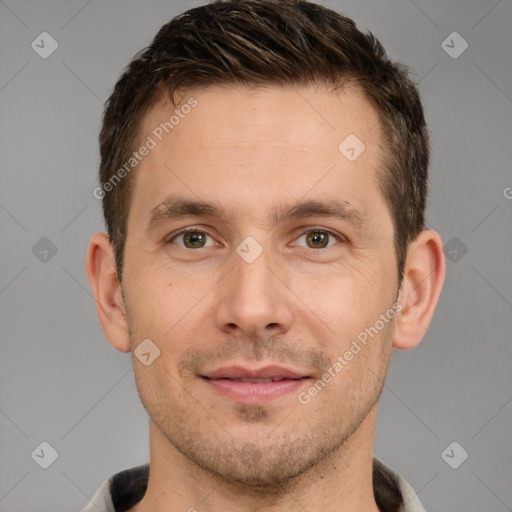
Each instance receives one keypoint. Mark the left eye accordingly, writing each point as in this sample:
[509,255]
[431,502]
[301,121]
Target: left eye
[192,239]
[319,239]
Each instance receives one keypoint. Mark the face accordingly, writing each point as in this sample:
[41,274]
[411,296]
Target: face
[287,260]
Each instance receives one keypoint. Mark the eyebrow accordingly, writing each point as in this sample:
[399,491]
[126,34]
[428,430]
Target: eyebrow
[176,207]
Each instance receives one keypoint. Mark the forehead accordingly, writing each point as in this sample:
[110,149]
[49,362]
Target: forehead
[246,145]
[313,116]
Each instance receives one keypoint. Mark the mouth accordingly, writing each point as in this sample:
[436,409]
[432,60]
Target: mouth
[248,386]
[271,379]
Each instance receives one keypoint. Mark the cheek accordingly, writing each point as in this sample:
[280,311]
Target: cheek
[344,298]
[159,298]
[159,392]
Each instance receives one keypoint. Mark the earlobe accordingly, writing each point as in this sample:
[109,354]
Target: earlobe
[101,271]
[421,287]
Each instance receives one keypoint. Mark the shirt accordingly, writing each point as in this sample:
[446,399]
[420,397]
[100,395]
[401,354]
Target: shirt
[123,490]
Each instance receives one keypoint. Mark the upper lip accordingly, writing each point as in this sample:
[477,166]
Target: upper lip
[267,372]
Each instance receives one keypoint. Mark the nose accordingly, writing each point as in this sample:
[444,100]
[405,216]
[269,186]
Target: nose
[254,299]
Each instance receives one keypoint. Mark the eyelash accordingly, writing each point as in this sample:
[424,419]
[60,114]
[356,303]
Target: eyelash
[339,238]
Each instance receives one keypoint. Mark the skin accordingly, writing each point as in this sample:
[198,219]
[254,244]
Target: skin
[299,304]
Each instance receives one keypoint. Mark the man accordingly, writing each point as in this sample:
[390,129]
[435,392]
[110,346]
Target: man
[264,181]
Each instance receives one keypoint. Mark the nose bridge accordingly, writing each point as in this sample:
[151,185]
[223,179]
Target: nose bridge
[253,276]
[253,299]
[253,264]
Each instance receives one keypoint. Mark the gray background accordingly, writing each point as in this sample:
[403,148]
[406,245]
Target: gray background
[61,382]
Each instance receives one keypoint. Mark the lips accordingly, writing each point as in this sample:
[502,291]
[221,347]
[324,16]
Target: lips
[254,386]
[268,374]
[272,379]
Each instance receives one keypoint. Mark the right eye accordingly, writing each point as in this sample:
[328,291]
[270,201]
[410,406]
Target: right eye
[191,238]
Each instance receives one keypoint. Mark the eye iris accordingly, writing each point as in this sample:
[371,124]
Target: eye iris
[196,239]
[317,237]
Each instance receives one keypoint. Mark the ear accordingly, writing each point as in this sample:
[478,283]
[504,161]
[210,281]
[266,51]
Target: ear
[421,287]
[101,271]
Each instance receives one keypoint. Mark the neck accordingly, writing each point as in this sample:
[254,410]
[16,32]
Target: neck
[341,482]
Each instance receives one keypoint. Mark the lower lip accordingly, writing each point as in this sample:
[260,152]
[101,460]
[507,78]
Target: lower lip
[255,392]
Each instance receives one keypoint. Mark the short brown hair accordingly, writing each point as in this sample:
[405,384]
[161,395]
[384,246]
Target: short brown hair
[265,43]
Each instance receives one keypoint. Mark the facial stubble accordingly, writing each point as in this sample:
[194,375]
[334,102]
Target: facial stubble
[282,450]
